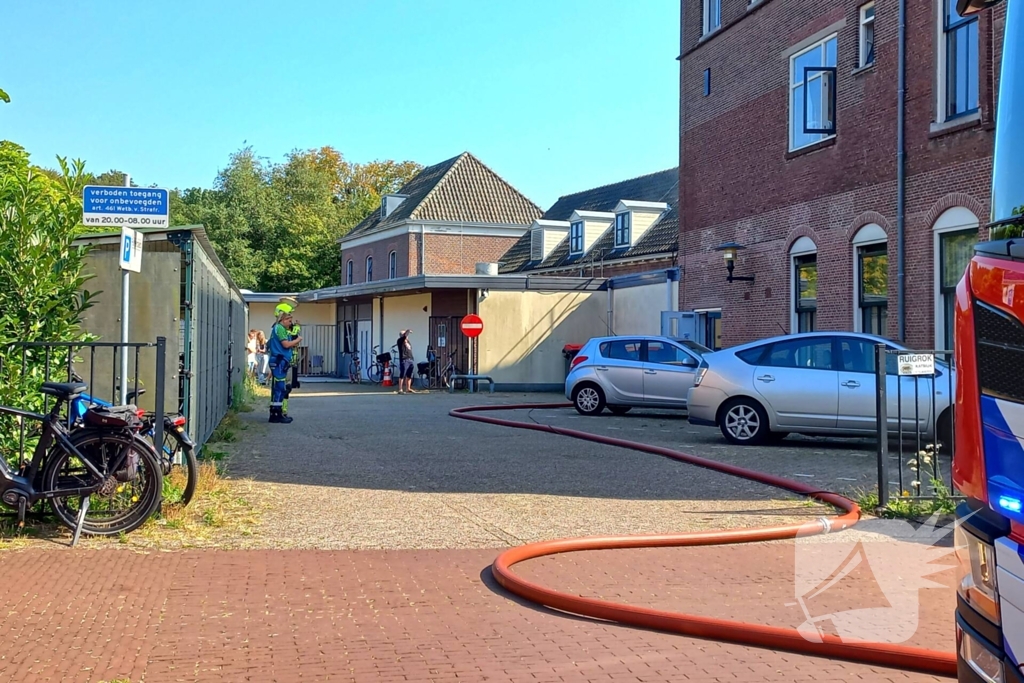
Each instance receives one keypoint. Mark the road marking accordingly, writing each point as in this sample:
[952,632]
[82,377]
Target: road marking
[810,476]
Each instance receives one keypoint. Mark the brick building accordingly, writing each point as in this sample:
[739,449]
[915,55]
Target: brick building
[623,228]
[444,221]
[788,148]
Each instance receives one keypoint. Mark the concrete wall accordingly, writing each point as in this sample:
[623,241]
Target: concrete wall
[261,315]
[406,313]
[637,310]
[153,312]
[524,332]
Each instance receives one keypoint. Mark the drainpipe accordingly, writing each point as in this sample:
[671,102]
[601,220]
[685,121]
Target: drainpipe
[611,310]
[423,250]
[901,179]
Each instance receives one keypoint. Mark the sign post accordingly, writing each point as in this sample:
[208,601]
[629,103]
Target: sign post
[129,208]
[472,326]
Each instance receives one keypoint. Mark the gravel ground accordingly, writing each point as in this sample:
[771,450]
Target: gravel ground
[364,469]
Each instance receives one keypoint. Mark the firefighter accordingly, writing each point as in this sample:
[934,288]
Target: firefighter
[279,348]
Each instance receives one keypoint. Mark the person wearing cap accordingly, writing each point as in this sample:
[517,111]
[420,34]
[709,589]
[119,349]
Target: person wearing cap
[280,347]
[405,364]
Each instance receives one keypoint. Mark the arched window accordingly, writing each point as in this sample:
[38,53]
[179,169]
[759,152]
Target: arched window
[956,233]
[871,280]
[369,269]
[392,265]
[348,272]
[803,256]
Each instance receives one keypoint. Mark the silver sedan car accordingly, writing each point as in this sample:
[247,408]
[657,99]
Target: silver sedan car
[632,371]
[815,383]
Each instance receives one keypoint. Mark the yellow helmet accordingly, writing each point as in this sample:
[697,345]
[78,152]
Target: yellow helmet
[287,304]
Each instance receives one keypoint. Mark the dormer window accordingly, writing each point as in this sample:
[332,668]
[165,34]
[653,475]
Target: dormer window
[622,229]
[576,237]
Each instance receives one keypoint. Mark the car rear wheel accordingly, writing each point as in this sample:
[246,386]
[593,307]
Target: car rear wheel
[744,422]
[619,410]
[588,399]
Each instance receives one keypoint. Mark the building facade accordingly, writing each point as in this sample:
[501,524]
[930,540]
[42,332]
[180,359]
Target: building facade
[789,150]
[444,221]
[624,228]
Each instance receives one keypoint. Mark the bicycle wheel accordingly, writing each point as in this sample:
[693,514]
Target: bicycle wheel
[376,373]
[129,494]
[180,479]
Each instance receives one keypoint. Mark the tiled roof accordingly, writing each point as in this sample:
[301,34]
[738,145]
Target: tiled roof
[662,237]
[459,189]
[649,188]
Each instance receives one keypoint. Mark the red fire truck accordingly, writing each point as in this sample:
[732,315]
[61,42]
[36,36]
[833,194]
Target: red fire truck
[988,463]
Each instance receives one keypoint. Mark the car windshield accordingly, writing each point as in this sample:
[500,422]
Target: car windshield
[691,345]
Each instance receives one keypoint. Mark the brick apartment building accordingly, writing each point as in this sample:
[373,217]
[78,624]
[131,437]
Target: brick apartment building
[623,228]
[444,221]
[813,199]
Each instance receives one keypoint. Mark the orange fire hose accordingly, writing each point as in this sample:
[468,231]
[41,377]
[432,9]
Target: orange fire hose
[773,637]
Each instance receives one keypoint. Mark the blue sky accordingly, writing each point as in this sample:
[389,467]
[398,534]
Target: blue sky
[554,95]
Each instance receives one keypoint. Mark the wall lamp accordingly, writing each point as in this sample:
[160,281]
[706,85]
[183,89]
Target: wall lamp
[729,250]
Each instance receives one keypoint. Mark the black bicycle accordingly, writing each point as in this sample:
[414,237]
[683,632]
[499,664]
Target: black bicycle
[103,479]
[177,453]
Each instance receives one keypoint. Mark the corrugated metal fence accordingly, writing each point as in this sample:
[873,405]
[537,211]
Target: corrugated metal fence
[214,323]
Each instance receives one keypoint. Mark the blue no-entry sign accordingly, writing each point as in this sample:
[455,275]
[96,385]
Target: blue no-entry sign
[132,207]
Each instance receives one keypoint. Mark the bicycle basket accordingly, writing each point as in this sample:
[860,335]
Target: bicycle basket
[384,357]
[117,417]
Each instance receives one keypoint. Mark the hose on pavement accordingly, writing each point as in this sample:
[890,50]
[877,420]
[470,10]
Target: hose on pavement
[883,654]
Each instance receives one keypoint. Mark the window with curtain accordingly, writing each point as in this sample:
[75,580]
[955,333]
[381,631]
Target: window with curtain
[369,268]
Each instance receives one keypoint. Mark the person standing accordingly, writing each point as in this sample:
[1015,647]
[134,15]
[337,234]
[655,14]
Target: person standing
[250,353]
[281,344]
[405,364]
[261,356]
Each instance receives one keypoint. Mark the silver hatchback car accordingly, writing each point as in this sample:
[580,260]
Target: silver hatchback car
[632,371]
[815,383]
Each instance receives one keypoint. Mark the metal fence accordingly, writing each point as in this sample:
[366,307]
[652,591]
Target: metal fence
[213,327]
[25,366]
[318,355]
[915,422]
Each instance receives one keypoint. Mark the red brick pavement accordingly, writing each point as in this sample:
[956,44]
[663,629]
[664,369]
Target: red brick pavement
[267,616]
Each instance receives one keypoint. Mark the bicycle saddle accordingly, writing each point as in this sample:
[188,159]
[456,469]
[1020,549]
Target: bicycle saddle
[65,390]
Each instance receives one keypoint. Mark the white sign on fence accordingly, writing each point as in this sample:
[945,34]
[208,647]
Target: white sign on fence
[916,364]
[131,249]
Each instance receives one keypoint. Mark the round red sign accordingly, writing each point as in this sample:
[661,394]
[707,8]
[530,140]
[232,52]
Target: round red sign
[472,325]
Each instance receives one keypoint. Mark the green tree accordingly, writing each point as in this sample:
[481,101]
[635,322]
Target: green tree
[276,226]
[42,292]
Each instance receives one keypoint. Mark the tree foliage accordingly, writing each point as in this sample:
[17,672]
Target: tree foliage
[42,293]
[276,226]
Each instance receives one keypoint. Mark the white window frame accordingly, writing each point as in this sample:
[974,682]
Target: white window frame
[369,269]
[793,85]
[576,235]
[955,219]
[804,246]
[349,272]
[870,235]
[392,265]
[708,27]
[864,21]
[626,229]
[942,82]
